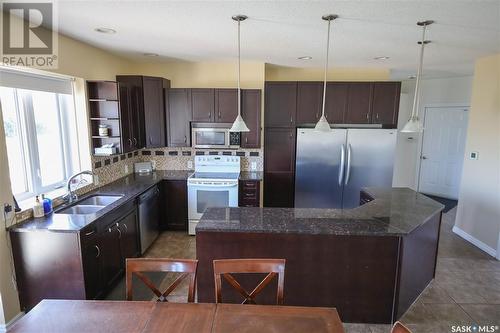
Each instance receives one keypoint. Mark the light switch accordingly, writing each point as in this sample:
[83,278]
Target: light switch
[190,164]
[474,155]
[253,165]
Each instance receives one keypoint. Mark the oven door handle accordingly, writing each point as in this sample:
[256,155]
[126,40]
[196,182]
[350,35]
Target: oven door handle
[214,185]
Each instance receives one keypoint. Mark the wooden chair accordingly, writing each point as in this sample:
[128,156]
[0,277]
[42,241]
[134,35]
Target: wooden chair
[227,266]
[139,265]
[400,328]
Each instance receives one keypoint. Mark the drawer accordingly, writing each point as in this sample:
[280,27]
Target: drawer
[249,184]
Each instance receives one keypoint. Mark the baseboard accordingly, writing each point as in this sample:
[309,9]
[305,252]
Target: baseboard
[474,241]
[5,327]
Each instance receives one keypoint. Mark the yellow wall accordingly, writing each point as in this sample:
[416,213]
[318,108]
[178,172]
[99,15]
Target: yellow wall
[183,74]
[478,212]
[283,73]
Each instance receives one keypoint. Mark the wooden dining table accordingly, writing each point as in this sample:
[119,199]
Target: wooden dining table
[133,316]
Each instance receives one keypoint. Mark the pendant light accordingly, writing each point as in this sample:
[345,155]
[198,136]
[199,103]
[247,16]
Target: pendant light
[414,125]
[322,124]
[239,124]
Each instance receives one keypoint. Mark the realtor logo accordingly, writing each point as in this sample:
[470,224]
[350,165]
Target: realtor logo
[29,35]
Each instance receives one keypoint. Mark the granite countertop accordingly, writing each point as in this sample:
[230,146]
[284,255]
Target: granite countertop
[251,175]
[393,212]
[129,187]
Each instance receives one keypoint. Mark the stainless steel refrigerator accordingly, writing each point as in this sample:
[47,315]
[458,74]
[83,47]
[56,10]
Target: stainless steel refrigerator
[332,167]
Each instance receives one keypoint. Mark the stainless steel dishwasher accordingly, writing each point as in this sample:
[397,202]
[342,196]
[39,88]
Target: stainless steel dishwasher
[149,217]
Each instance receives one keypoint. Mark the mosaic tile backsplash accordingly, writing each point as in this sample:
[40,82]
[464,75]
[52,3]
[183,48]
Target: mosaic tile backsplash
[110,168]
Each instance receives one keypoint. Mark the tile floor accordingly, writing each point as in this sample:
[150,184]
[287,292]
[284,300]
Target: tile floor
[466,290]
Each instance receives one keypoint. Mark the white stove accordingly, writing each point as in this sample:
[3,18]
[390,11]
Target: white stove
[214,184]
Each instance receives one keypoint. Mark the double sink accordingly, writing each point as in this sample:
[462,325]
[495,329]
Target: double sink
[89,205]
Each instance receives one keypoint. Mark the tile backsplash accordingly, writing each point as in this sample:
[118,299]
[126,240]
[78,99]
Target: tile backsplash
[110,168]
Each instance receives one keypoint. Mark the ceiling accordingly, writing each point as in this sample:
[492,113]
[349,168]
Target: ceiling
[278,32]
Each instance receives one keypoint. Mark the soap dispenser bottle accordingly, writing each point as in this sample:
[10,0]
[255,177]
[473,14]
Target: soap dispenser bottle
[47,205]
[38,208]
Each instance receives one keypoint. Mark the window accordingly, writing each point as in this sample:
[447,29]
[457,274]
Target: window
[41,137]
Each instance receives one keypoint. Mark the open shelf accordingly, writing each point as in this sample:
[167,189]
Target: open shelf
[104,109]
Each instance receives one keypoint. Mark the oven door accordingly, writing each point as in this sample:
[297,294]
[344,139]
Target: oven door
[211,194]
[210,138]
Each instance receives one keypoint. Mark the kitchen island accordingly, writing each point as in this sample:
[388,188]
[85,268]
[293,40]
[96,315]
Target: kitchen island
[370,262]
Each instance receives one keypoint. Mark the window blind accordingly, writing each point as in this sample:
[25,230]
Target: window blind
[32,81]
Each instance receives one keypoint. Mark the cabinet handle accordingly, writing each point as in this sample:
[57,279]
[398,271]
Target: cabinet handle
[90,233]
[135,142]
[119,233]
[219,114]
[291,120]
[317,115]
[185,139]
[130,142]
[376,115]
[150,139]
[367,116]
[98,251]
[246,139]
[126,228]
[210,115]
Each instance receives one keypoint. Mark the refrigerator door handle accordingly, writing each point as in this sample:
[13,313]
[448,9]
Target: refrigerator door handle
[348,169]
[342,162]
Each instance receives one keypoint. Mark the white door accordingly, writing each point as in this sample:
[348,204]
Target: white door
[443,146]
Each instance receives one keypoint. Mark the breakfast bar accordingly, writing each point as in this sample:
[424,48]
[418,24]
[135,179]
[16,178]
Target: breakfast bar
[370,263]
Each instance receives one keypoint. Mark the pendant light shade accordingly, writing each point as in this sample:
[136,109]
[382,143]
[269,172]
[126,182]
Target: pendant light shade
[322,124]
[414,125]
[239,124]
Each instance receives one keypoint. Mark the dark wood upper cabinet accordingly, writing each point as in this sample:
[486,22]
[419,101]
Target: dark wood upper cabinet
[359,103]
[154,111]
[309,102]
[280,104]
[336,102]
[279,152]
[142,103]
[385,104]
[203,104]
[178,117]
[226,105]
[251,101]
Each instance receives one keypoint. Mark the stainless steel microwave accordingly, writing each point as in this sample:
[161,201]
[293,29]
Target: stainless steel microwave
[214,135]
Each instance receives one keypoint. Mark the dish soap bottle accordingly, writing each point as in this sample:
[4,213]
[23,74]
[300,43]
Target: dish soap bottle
[38,208]
[47,205]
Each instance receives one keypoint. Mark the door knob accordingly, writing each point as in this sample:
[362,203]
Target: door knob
[424,157]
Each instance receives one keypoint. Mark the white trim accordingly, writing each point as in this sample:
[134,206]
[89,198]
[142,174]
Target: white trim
[474,241]
[35,72]
[5,327]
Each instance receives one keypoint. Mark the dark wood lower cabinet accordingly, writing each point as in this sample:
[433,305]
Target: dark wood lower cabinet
[75,265]
[174,205]
[279,189]
[249,193]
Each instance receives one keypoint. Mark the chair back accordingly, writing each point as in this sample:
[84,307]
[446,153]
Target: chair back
[224,268]
[138,266]
[400,328]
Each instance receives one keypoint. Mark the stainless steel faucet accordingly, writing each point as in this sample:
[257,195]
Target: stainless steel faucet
[70,195]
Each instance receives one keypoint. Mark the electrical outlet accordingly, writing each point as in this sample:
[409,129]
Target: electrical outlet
[253,165]
[8,211]
[126,168]
[190,165]
[474,155]
[153,164]
[96,180]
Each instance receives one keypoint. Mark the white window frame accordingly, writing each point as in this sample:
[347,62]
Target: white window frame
[29,145]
